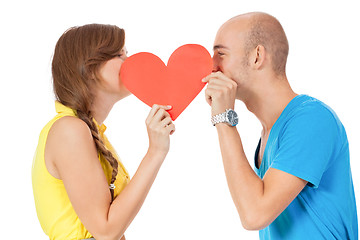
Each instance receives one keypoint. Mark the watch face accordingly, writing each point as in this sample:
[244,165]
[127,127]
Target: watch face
[232,117]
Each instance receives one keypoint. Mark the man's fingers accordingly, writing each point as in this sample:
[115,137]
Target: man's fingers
[218,78]
[212,75]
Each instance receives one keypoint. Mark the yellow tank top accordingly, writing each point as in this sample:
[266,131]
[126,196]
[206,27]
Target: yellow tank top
[54,209]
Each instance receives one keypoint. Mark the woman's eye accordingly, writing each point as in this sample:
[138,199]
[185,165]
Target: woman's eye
[121,54]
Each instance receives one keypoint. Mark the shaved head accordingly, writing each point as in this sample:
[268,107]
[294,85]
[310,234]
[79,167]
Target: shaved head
[264,29]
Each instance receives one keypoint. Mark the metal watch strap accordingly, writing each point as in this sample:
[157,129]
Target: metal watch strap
[219,118]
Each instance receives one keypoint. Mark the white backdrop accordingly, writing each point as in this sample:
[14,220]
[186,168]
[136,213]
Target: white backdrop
[190,198]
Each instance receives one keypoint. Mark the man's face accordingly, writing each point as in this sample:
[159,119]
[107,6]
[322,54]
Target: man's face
[229,53]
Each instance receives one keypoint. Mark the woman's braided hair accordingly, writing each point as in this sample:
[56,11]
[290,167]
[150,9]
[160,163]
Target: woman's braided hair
[78,56]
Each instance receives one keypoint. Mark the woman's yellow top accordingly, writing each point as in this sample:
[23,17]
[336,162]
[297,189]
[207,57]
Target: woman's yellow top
[54,209]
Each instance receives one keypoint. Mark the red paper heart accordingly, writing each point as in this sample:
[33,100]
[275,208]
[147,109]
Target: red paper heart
[177,84]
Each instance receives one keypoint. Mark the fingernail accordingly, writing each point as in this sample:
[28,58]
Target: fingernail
[169,106]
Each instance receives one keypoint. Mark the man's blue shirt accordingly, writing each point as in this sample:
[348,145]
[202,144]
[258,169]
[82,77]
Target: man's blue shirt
[309,141]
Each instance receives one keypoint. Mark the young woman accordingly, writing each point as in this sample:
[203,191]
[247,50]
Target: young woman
[81,188]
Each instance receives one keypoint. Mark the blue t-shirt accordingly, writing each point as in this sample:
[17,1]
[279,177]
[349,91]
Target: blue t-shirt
[309,141]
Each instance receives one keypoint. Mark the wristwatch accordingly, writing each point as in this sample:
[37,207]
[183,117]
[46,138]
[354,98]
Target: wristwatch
[229,116]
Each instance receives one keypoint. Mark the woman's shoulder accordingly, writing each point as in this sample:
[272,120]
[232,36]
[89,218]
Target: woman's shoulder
[70,125]
[69,131]
[69,144]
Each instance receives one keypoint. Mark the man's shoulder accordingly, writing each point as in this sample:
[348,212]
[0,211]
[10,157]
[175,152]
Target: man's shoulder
[315,116]
[313,109]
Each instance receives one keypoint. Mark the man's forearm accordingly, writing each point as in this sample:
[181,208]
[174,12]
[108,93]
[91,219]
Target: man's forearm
[245,186]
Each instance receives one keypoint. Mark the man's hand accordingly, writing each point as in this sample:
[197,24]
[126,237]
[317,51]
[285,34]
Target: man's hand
[220,92]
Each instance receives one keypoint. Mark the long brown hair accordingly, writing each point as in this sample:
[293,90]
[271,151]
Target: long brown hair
[78,56]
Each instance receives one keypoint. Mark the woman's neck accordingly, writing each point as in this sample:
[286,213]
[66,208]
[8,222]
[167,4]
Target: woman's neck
[102,105]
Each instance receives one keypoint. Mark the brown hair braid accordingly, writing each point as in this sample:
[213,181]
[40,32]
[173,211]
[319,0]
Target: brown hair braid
[78,56]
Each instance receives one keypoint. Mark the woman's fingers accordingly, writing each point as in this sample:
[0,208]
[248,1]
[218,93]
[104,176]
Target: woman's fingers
[159,117]
[155,111]
[168,124]
[159,126]
[170,128]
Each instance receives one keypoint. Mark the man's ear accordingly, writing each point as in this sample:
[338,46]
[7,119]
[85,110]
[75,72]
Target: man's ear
[258,57]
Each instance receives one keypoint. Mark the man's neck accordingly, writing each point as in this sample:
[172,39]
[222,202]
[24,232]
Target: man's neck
[269,102]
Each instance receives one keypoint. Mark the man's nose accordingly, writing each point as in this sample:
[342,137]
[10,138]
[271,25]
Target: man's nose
[216,66]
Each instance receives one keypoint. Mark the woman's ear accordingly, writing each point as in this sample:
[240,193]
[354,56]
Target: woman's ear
[258,59]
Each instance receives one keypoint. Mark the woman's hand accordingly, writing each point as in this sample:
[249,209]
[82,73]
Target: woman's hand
[159,126]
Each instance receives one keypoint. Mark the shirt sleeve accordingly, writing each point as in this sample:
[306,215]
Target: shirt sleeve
[307,143]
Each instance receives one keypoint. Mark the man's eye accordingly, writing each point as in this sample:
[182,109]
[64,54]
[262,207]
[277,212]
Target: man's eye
[221,53]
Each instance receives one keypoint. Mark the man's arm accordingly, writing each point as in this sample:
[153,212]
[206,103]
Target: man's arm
[258,201]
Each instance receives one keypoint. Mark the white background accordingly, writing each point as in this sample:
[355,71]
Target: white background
[190,198]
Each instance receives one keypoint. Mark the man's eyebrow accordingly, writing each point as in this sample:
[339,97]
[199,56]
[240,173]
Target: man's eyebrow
[219,46]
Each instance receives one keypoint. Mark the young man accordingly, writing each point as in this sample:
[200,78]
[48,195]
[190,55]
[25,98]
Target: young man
[302,185]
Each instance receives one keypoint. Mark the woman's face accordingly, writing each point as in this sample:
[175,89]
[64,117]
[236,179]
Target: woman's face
[110,74]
